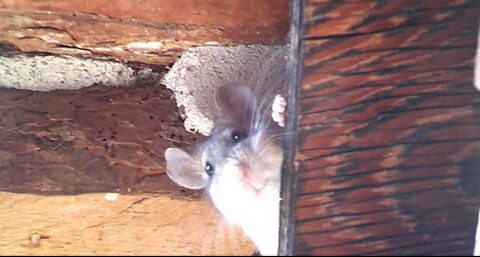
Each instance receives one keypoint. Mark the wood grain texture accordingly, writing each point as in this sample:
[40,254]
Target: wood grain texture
[289,184]
[145,31]
[88,224]
[389,128]
[233,20]
[61,151]
[95,139]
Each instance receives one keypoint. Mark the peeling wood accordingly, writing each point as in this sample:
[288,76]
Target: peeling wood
[139,31]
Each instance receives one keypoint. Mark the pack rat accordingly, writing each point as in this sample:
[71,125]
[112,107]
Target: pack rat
[239,165]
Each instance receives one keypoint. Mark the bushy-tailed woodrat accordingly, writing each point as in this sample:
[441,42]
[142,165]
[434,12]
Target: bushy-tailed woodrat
[239,165]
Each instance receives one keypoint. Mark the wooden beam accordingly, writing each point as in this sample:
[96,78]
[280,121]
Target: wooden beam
[61,151]
[148,31]
[289,167]
[95,139]
[89,224]
[389,129]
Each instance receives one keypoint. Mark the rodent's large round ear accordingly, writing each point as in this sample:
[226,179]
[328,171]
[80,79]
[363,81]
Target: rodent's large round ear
[236,100]
[184,170]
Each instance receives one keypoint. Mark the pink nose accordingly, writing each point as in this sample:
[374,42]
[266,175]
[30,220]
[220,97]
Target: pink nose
[246,176]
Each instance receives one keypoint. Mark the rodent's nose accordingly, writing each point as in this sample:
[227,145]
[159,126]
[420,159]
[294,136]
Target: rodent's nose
[246,176]
[241,173]
[236,171]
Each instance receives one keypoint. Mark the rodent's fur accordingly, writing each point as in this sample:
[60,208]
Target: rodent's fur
[243,157]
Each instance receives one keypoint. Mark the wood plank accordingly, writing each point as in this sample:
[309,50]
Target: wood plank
[61,151]
[389,129]
[94,139]
[233,20]
[88,224]
[293,75]
[138,30]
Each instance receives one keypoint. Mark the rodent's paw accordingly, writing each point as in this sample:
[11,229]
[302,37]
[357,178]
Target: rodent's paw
[278,110]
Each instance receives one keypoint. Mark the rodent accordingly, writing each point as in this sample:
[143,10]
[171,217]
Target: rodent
[239,164]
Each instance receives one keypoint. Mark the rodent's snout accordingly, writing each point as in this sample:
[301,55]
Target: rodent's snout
[242,173]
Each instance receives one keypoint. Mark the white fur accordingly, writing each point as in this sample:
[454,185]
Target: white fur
[258,215]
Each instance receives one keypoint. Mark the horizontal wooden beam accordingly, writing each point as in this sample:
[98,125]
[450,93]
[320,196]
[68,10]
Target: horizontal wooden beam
[139,31]
[96,139]
[91,224]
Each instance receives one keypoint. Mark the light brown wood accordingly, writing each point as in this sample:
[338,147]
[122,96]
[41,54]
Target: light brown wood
[88,224]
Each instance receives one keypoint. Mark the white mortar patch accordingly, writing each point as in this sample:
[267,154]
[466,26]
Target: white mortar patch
[199,71]
[194,77]
[47,73]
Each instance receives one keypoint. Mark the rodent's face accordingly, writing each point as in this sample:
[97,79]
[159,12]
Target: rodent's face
[236,109]
[244,174]
[240,165]
[246,158]
[221,143]
[243,146]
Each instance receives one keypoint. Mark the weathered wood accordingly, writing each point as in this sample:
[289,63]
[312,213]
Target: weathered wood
[95,139]
[389,129]
[138,31]
[294,75]
[88,224]
[61,151]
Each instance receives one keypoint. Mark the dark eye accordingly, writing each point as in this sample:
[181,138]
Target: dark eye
[238,136]
[209,169]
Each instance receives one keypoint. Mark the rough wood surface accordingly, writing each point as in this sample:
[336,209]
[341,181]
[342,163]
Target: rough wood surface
[148,31]
[389,129]
[61,151]
[88,224]
[91,140]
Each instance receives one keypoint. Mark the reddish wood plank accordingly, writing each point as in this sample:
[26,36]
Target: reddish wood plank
[145,31]
[232,20]
[389,128]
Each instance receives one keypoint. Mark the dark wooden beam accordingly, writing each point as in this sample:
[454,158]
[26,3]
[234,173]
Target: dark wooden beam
[289,171]
[96,139]
[389,129]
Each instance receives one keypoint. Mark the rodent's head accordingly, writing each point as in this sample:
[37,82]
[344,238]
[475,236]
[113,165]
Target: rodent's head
[239,164]
[242,153]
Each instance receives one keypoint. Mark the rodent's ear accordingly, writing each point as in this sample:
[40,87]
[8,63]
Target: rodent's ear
[184,170]
[236,101]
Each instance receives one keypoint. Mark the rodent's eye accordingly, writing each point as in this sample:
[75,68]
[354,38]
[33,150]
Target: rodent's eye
[209,169]
[238,136]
